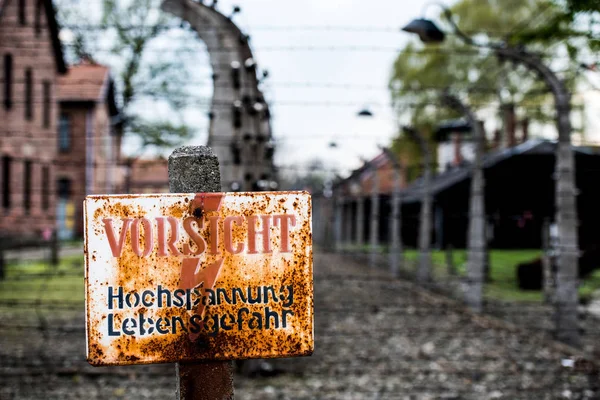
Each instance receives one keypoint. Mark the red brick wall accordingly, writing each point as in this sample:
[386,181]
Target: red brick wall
[22,139]
[72,164]
[150,176]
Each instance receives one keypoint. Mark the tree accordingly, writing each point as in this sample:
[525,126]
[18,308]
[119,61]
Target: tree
[315,176]
[143,76]
[560,30]
[419,72]
[424,269]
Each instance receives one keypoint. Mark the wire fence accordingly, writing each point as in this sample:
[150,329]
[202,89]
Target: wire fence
[376,336]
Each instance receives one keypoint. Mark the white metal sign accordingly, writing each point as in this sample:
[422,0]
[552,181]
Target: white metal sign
[177,277]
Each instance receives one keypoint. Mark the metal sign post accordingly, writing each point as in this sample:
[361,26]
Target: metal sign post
[198,277]
[196,170]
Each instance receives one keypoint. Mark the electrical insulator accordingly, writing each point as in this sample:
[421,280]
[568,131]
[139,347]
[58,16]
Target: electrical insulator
[237,114]
[235,186]
[250,64]
[235,75]
[236,154]
[269,151]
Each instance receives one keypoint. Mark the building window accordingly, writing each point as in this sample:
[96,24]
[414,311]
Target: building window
[8,81]
[64,133]
[23,12]
[6,164]
[47,104]
[64,188]
[27,171]
[45,188]
[28,94]
[39,7]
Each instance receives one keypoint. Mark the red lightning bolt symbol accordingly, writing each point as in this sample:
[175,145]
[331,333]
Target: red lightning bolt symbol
[191,278]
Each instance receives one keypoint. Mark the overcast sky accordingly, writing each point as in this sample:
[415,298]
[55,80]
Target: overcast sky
[327,60]
[345,69]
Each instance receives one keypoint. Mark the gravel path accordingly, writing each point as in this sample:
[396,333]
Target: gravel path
[376,338]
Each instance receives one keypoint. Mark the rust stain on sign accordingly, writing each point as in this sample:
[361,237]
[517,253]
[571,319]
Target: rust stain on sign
[214,276]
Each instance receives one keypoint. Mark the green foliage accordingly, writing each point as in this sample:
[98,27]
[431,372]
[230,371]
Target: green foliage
[474,74]
[132,27]
[159,134]
[574,21]
[37,280]
[420,72]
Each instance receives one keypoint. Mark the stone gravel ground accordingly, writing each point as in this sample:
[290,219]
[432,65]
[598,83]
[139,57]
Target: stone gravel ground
[375,338]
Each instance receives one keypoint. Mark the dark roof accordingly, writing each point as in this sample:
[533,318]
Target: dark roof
[385,157]
[453,126]
[88,83]
[443,181]
[54,30]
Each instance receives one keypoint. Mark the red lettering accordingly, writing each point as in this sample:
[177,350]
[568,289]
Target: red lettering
[228,228]
[162,240]
[166,243]
[194,236]
[285,221]
[214,234]
[265,232]
[116,248]
[136,237]
[174,236]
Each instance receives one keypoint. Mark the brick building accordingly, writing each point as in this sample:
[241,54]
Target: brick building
[147,175]
[88,145]
[360,182]
[31,60]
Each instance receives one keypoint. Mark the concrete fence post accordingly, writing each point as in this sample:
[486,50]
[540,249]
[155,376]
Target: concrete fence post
[195,169]
[2,263]
[374,218]
[396,226]
[348,223]
[360,222]
[547,272]
[54,249]
[337,223]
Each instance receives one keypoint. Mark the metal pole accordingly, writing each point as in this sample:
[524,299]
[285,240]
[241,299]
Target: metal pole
[360,222]
[54,249]
[547,274]
[2,263]
[195,169]
[566,295]
[337,223]
[396,245]
[348,222]
[476,239]
[424,272]
[374,218]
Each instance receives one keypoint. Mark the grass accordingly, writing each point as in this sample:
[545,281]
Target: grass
[589,285]
[503,263]
[503,285]
[39,281]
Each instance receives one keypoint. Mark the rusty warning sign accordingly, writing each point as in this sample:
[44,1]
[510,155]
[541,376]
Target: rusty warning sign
[214,276]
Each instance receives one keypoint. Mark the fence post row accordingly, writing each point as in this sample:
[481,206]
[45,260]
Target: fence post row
[374,217]
[337,222]
[195,169]
[360,222]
